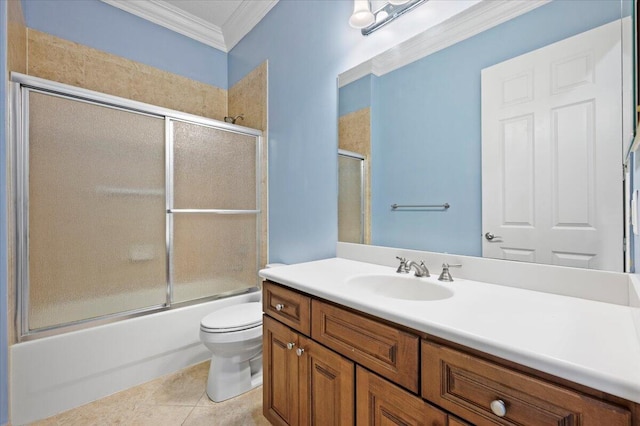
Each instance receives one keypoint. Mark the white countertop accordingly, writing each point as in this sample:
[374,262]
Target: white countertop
[588,342]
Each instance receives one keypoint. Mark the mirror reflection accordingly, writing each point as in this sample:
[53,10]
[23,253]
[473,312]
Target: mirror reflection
[521,129]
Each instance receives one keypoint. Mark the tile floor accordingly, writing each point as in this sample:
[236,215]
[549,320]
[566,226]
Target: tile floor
[177,399]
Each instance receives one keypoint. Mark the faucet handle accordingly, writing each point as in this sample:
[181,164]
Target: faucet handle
[446,275]
[402,268]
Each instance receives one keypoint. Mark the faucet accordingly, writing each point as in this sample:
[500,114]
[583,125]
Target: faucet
[406,265]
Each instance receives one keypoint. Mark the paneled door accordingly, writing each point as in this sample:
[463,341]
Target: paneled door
[552,152]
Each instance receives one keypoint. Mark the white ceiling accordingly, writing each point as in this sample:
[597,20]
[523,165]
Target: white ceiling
[217,23]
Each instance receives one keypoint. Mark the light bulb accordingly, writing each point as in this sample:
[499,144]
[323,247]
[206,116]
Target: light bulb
[362,16]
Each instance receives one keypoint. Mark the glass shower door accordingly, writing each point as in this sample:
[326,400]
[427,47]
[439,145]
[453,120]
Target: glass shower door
[215,212]
[96,211]
[350,198]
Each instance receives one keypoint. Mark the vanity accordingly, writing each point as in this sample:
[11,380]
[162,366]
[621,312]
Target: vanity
[337,351]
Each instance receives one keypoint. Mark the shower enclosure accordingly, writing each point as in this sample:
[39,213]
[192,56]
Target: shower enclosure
[125,208]
[350,197]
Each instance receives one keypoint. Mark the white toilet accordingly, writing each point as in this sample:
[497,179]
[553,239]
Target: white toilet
[234,336]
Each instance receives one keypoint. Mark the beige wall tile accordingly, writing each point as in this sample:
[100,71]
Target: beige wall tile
[17,38]
[249,98]
[54,59]
[354,134]
[71,63]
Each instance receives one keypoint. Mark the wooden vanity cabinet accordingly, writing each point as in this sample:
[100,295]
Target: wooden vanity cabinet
[329,365]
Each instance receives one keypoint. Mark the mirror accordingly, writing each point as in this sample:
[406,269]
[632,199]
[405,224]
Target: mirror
[466,126]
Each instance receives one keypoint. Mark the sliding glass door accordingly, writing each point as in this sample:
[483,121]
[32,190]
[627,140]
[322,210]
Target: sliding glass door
[214,211]
[125,208]
[96,211]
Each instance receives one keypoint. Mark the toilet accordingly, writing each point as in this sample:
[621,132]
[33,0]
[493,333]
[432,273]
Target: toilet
[233,334]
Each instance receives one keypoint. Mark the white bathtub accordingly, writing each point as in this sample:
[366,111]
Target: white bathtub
[57,373]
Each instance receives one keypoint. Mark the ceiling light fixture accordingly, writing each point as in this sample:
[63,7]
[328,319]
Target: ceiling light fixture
[369,22]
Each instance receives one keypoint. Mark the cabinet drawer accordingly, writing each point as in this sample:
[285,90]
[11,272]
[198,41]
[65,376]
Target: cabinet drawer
[287,306]
[467,386]
[384,349]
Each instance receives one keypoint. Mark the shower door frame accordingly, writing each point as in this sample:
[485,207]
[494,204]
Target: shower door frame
[21,86]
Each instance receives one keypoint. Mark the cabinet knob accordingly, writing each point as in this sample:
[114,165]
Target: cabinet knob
[279,307]
[498,407]
[299,351]
[290,345]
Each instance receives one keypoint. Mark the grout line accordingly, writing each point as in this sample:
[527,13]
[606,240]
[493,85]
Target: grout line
[188,415]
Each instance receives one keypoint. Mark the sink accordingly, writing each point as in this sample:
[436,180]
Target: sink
[406,287]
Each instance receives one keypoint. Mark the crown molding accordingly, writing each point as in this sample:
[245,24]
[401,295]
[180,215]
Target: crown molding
[476,19]
[355,73]
[243,19]
[168,16]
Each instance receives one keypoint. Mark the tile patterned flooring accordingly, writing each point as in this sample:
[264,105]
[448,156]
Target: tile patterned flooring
[177,399]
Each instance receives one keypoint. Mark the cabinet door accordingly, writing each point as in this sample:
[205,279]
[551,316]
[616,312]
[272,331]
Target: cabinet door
[379,402]
[326,385]
[280,363]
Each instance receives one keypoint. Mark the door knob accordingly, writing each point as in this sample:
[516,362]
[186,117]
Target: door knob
[299,351]
[279,307]
[290,345]
[490,237]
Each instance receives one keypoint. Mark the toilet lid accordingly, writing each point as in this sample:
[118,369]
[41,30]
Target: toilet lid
[233,318]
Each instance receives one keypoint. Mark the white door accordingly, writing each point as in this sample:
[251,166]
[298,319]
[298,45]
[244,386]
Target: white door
[552,154]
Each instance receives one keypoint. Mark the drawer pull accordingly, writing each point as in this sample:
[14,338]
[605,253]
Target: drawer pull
[290,345]
[279,307]
[499,408]
[299,351]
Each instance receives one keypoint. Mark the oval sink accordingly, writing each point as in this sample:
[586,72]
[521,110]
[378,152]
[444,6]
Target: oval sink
[400,287]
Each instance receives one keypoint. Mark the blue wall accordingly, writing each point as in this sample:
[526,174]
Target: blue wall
[305,56]
[4,349]
[426,128]
[355,95]
[98,25]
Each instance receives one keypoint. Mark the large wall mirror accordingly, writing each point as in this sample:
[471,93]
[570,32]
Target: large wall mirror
[505,138]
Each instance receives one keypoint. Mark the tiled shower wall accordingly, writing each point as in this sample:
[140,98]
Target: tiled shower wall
[43,55]
[71,63]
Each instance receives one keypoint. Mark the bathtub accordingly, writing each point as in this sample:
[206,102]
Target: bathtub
[57,373]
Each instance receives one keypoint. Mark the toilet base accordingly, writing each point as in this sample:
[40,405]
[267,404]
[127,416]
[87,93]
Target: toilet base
[229,378]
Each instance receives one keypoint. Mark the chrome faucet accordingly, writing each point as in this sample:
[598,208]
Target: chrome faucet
[406,265]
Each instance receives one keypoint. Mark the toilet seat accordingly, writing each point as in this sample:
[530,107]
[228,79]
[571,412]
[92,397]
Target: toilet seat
[232,318]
